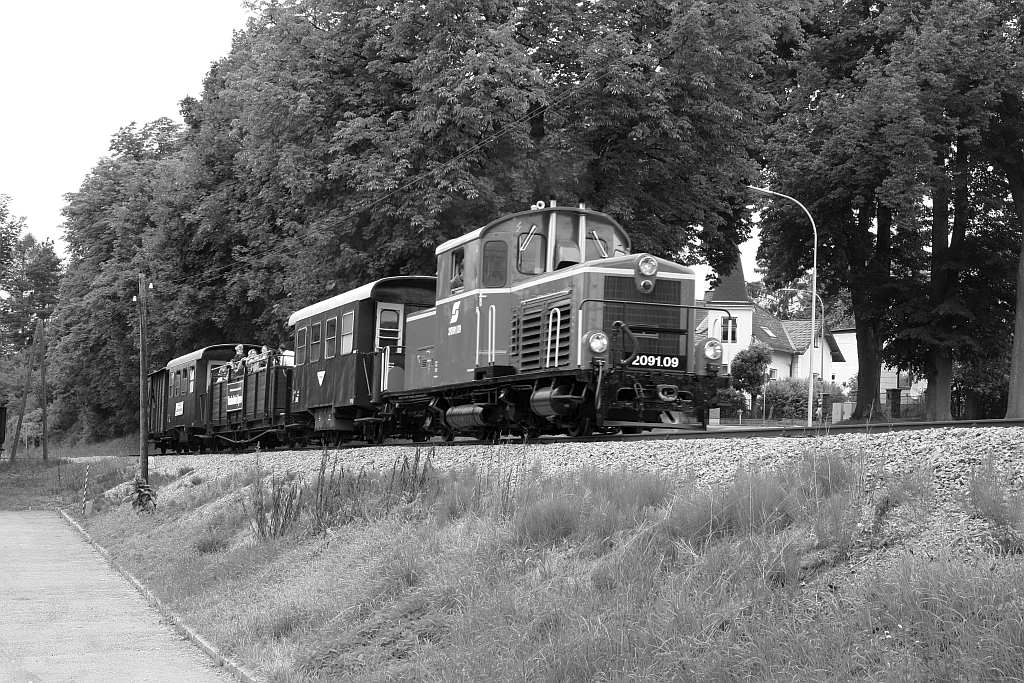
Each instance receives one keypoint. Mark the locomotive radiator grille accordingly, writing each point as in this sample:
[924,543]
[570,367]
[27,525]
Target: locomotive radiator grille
[541,335]
[635,313]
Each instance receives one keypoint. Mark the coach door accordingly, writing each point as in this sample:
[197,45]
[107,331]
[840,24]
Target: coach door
[390,338]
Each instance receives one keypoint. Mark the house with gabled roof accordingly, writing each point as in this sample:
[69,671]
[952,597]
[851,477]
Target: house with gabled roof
[739,322]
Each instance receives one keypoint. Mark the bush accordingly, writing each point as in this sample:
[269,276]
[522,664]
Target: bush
[731,402]
[786,399]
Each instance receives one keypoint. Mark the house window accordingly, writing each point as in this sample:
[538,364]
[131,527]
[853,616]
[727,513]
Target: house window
[331,347]
[773,373]
[729,326]
[347,335]
[314,342]
[300,346]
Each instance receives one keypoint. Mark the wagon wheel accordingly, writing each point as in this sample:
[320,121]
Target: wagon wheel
[583,426]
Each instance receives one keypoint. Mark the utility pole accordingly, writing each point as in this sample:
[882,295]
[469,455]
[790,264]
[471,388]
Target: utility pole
[143,376]
[25,387]
[42,379]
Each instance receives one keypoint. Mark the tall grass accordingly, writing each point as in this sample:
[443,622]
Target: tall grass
[503,574]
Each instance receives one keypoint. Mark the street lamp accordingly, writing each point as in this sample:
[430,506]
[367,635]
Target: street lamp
[814,294]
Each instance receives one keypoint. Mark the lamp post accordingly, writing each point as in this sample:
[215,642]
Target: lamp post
[814,294]
[822,336]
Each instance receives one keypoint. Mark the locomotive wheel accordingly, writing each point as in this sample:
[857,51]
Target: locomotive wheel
[448,436]
[376,435]
[583,426]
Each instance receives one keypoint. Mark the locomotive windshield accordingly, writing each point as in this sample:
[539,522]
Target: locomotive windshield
[602,240]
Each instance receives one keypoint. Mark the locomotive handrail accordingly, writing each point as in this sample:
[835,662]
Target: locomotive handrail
[619,325]
[552,314]
[491,333]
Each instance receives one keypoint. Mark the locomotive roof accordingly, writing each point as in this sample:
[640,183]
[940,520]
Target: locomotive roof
[200,353]
[360,293]
[470,236]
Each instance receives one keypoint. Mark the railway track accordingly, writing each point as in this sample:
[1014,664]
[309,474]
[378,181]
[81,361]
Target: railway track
[745,432]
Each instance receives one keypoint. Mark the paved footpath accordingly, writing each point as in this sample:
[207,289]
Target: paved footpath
[67,617]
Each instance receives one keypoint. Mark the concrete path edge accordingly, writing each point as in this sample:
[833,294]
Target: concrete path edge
[240,672]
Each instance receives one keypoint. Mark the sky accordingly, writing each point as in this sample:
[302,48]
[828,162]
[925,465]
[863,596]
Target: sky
[75,72]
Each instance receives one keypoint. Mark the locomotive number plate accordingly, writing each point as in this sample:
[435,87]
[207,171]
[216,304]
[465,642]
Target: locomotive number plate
[654,360]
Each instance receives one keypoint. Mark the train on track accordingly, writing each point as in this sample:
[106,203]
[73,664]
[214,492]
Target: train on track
[541,322]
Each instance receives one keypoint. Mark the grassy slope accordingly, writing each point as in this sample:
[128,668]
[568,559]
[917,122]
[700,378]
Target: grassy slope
[596,577]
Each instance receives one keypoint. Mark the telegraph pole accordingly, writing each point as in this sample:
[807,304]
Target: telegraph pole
[143,376]
[42,378]
[26,386]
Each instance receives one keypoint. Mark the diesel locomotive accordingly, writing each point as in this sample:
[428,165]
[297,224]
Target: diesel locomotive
[540,322]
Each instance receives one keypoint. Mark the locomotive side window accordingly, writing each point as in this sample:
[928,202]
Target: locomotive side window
[458,270]
[533,250]
[331,345]
[495,264]
[314,342]
[300,346]
[346,332]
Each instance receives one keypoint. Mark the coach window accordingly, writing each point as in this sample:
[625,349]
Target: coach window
[191,380]
[347,321]
[388,334]
[495,263]
[533,251]
[300,346]
[314,342]
[177,383]
[331,345]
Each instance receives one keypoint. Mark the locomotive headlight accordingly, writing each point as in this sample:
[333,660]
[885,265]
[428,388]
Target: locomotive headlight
[713,349]
[597,342]
[647,265]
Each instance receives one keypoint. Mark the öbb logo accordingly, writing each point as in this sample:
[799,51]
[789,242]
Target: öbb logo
[454,328]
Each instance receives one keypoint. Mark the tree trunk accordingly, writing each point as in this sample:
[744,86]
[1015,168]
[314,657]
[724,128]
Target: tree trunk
[939,371]
[944,278]
[1015,404]
[869,370]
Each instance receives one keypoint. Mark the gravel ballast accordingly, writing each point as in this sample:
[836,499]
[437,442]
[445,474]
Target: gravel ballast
[949,453]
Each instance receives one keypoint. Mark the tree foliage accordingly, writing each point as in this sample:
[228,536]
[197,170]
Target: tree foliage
[341,141]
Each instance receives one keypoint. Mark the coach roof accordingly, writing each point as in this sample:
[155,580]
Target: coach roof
[358,294]
[204,352]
